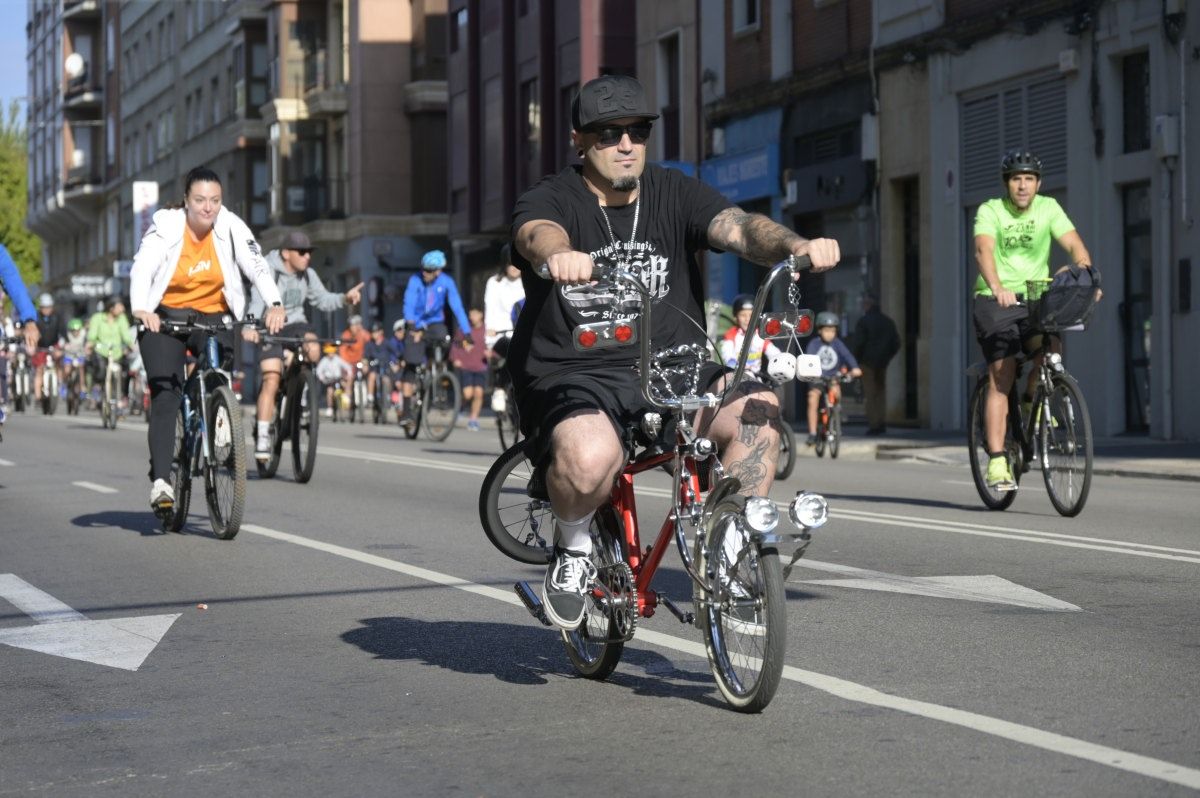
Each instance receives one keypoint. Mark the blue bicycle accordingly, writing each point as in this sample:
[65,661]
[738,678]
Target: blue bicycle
[209,438]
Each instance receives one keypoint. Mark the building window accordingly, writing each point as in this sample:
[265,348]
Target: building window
[1135,86]
[745,15]
[458,30]
[669,113]
[531,133]
[216,101]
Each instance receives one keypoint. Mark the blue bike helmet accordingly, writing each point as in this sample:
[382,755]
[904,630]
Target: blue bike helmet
[433,260]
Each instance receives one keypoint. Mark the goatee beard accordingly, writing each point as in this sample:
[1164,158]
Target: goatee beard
[625,183]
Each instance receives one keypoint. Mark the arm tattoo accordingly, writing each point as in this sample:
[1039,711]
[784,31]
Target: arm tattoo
[751,235]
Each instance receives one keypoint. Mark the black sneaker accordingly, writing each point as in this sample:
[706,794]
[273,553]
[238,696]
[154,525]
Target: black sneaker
[566,582]
[811,440]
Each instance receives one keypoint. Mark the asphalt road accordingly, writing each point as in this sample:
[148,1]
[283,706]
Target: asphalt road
[360,636]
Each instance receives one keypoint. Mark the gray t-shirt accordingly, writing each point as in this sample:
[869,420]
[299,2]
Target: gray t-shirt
[296,290]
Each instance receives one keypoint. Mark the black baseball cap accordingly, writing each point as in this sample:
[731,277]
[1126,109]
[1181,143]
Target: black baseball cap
[607,98]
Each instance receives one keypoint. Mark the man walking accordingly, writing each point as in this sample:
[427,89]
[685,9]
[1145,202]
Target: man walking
[876,342]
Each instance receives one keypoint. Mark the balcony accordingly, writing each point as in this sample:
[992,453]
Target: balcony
[81,9]
[324,90]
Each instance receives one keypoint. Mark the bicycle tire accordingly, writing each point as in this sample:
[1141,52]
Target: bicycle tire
[50,393]
[745,643]
[443,400]
[787,451]
[416,415]
[225,473]
[181,479]
[835,430]
[508,427]
[977,449]
[822,424]
[1063,434]
[595,647]
[305,421]
[358,408]
[513,521]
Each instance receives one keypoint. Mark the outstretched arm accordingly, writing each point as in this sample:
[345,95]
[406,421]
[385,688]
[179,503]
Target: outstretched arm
[762,240]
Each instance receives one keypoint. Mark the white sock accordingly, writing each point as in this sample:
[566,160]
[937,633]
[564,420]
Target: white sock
[574,535]
[264,429]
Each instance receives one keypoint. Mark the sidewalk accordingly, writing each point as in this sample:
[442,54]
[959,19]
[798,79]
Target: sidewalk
[1125,456]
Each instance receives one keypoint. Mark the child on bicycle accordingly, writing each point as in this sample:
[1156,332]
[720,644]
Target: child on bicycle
[835,357]
[731,343]
[331,369]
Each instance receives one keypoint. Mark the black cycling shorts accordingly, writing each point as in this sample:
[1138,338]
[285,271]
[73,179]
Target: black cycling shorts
[1003,332]
[615,392]
[268,350]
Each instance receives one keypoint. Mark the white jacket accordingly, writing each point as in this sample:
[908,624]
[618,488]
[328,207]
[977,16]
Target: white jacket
[156,259]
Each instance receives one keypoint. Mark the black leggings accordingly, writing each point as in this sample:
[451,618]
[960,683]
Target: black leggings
[164,357]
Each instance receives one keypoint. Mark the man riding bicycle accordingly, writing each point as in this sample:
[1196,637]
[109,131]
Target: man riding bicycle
[298,284]
[614,209]
[53,330]
[109,336]
[1012,246]
[425,300]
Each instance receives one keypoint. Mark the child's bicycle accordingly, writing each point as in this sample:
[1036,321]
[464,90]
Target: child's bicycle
[733,560]
[829,413]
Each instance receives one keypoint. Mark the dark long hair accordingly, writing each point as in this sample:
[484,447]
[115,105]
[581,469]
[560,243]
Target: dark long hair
[200,174]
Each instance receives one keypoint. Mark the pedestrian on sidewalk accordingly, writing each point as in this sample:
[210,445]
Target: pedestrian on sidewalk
[876,342]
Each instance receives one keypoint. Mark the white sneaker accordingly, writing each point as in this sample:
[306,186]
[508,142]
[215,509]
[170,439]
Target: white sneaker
[327,412]
[262,447]
[162,495]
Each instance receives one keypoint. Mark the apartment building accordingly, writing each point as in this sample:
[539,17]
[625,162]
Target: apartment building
[514,68]
[322,115]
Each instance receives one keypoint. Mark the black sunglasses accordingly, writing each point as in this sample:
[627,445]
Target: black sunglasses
[304,251]
[610,135]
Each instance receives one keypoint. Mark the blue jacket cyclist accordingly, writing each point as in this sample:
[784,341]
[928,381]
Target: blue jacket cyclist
[427,294]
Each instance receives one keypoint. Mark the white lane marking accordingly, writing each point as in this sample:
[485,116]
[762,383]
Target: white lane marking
[986,588]
[95,487]
[62,632]
[4,462]
[929,524]
[1025,535]
[958,482]
[842,688]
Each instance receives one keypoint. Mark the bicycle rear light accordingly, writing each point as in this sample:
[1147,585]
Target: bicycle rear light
[773,327]
[808,510]
[761,514]
[604,334]
[804,324]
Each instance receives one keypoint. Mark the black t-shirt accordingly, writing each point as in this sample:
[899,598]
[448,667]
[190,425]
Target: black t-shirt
[676,211]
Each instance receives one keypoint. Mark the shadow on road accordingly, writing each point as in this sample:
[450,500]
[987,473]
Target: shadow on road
[913,500]
[142,522]
[519,654]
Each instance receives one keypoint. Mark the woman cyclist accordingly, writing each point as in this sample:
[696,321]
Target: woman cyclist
[187,264]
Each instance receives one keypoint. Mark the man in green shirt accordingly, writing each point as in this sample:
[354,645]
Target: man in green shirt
[1012,245]
[108,335]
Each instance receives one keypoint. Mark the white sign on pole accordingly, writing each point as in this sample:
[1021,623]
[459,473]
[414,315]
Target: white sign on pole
[145,203]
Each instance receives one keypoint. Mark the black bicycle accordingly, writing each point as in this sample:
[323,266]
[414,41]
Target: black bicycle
[297,415]
[504,402]
[437,399]
[1056,428]
[210,441]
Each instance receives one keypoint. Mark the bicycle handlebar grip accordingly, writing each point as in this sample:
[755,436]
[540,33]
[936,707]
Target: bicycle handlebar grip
[800,263]
[599,271]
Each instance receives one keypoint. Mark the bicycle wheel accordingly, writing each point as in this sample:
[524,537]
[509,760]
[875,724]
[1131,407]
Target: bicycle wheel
[787,451]
[742,616]
[360,401]
[305,420]
[443,398]
[225,473]
[1065,433]
[595,647]
[181,479]
[978,450]
[822,424]
[835,429]
[517,524]
[416,412]
[508,426]
[49,393]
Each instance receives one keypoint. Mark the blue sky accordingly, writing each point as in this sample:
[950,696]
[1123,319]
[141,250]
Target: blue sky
[12,50]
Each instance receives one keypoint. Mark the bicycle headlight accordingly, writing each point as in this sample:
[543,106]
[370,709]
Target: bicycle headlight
[761,514]
[808,510]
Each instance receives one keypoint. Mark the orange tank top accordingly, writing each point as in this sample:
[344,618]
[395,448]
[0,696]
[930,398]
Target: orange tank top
[198,281]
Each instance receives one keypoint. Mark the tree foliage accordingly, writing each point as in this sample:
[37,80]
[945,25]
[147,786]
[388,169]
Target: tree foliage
[24,246]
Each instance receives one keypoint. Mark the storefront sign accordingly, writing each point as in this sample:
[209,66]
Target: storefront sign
[745,175]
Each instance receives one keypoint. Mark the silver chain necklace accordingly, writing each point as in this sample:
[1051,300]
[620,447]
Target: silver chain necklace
[616,242]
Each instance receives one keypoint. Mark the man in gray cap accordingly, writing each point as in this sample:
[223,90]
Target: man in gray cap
[298,285]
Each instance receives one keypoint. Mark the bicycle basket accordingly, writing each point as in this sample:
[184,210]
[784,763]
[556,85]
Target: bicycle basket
[1061,304]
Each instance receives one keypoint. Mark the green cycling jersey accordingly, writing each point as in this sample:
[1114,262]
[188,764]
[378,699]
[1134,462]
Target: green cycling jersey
[1023,240]
[108,336]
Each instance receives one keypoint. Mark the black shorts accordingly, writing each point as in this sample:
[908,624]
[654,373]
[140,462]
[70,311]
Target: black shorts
[617,393]
[268,350]
[1003,332]
[473,379]
[408,374]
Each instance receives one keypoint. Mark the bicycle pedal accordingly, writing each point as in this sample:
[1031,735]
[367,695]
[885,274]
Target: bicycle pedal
[683,616]
[532,602]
